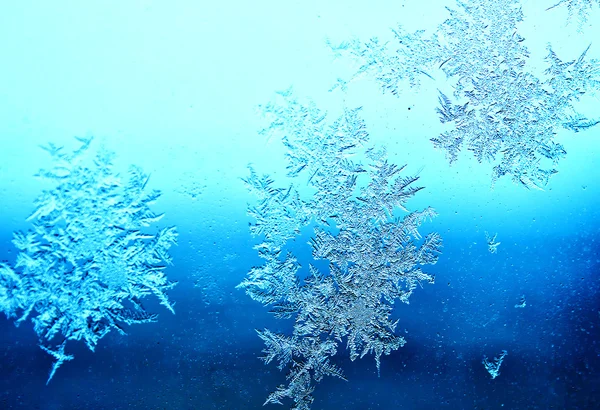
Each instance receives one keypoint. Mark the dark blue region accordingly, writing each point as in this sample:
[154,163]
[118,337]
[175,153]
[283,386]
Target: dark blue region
[206,356]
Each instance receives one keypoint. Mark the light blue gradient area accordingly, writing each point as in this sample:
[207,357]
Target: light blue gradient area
[173,87]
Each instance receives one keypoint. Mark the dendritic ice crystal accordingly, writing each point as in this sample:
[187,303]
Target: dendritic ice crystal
[491,243]
[578,10]
[499,110]
[522,303]
[493,366]
[375,256]
[91,255]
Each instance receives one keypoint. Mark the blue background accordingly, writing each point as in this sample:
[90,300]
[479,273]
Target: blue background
[173,87]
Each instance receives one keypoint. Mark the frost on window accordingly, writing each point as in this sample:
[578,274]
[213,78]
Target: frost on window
[91,255]
[499,110]
[493,366]
[375,257]
[578,10]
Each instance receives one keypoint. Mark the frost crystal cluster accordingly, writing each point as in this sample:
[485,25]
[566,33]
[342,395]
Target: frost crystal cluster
[491,243]
[493,366]
[581,8]
[374,257]
[90,257]
[499,110]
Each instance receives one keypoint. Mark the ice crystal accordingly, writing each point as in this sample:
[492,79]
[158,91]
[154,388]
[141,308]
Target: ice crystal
[491,243]
[375,258]
[581,8]
[88,261]
[499,110]
[493,367]
[522,303]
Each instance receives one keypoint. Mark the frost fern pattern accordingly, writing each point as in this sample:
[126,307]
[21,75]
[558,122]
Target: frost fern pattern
[581,8]
[374,257]
[499,111]
[90,257]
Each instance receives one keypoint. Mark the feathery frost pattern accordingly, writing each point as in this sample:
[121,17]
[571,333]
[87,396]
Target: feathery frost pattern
[493,366]
[581,8]
[492,243]
[374,257]
[501,112]
[90,257]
